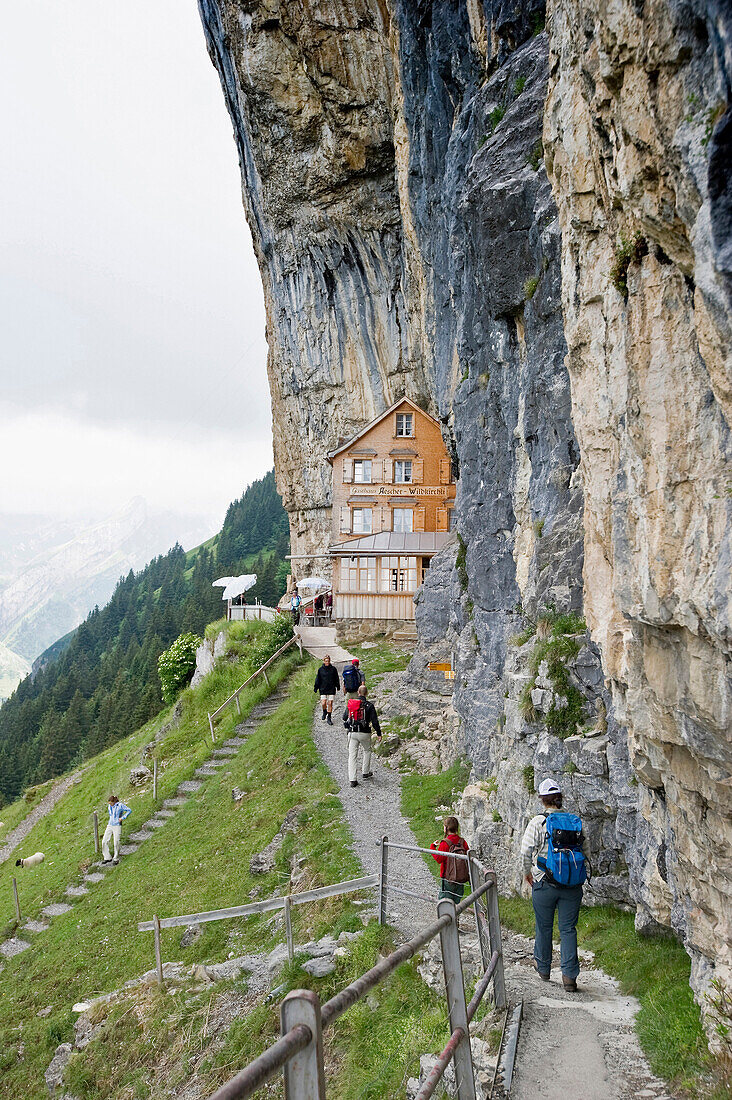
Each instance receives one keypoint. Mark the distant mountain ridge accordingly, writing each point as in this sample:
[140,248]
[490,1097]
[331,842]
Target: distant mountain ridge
[53,573]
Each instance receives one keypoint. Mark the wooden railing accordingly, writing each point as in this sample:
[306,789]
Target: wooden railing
[261,671]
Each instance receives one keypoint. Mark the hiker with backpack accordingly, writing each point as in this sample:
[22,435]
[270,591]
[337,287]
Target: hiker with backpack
[454,872]
[358,718]
[295,602]
[555,856]
[327,683]
[352,678]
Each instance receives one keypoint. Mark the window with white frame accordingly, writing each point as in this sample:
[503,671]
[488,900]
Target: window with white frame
[362,518]
[398,574]
[403,519]
[403,471]
[359,574]
[451,519]
[405,425]
[362,471]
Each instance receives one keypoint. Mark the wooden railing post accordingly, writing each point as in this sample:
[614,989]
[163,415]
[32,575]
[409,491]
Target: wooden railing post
[304,1073]
[288,928]
[95,824]
[494,931]
[158,955]
[211,727]
[383,868]
[155,780]
[457,1009]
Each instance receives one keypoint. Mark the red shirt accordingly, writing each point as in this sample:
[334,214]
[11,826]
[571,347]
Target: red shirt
[444,846]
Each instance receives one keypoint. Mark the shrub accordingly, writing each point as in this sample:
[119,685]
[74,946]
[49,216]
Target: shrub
[528,778]
[272,637]
[535,156]
[460,563]
[519,84]
[177,664]
[495,116]
[530,287]
[626,253]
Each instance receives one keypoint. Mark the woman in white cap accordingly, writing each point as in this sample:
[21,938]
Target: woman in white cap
[548,894]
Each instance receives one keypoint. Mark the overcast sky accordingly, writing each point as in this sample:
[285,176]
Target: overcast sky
[131,315]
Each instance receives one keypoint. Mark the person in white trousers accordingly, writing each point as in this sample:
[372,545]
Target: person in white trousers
[117,813]
[358,718]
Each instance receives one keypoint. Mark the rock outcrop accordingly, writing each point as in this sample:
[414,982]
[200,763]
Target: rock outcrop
[411,242]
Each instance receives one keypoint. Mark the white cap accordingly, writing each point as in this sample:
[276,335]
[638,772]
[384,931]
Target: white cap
[548,786]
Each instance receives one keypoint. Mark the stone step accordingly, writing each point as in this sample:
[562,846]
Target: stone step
[165,813]
[190,785]
[226,750]
[35,926]
[57,909]
[140,836]
[76,891]
[13,946]
[235,742]
[174,803]
[205,772]
[155,823]
[129,849]
[95,876]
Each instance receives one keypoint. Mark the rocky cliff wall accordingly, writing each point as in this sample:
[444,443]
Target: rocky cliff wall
[637,137]
[409,240]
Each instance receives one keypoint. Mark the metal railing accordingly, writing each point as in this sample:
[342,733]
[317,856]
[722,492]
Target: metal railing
[261,671]
[255,908]
[299,1051]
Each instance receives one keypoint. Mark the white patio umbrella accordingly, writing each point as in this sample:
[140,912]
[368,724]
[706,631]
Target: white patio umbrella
[313,582]
[235,586]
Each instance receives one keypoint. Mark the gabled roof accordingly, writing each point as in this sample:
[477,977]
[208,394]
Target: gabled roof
[367,428]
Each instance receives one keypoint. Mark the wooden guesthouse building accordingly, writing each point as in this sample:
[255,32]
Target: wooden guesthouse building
[393,499]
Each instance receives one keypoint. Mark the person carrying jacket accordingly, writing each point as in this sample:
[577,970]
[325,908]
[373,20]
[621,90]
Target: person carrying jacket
[352,678]
[359,733]
[327,682]
[117,813]
[454,873]
[546,896]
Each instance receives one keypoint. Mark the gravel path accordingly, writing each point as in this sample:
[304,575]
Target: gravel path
[20,832]
[373,810]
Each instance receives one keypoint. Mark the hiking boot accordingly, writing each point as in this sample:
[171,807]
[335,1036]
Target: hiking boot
[570,984]
[330,720]
[354,782]
[115,862]
[322,717]
[367,775]
[544,977]
[106,861]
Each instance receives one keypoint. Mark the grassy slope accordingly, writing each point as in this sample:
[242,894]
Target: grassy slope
[200,859]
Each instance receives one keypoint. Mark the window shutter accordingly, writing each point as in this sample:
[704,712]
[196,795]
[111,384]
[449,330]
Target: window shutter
[345,520]
[377,470]
[418,471]
[442,524]
[419,518]
[388,471]
[445,472]
[348,469]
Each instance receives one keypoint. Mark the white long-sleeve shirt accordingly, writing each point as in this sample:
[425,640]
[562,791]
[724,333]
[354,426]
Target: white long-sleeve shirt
[535,843]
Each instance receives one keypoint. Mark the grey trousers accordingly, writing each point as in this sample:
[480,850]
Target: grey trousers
[566,901]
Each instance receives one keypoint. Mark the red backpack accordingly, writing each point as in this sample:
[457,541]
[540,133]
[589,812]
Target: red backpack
[456,870]
[357,715]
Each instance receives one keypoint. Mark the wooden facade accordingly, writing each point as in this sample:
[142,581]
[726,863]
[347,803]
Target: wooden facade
[393,496]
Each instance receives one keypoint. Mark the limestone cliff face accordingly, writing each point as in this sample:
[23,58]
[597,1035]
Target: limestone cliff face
[411,242]
[638,148]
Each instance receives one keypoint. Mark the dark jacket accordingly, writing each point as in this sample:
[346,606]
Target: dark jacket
[371,718]
[327,681]
[357,670]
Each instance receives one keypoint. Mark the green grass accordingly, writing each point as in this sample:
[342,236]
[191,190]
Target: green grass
[384,657]
[12,814]
[529,291]
[518,85]
[495,116]
[199,860]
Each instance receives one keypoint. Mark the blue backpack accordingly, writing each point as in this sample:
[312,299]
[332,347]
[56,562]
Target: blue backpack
[565,863]
[351,678]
